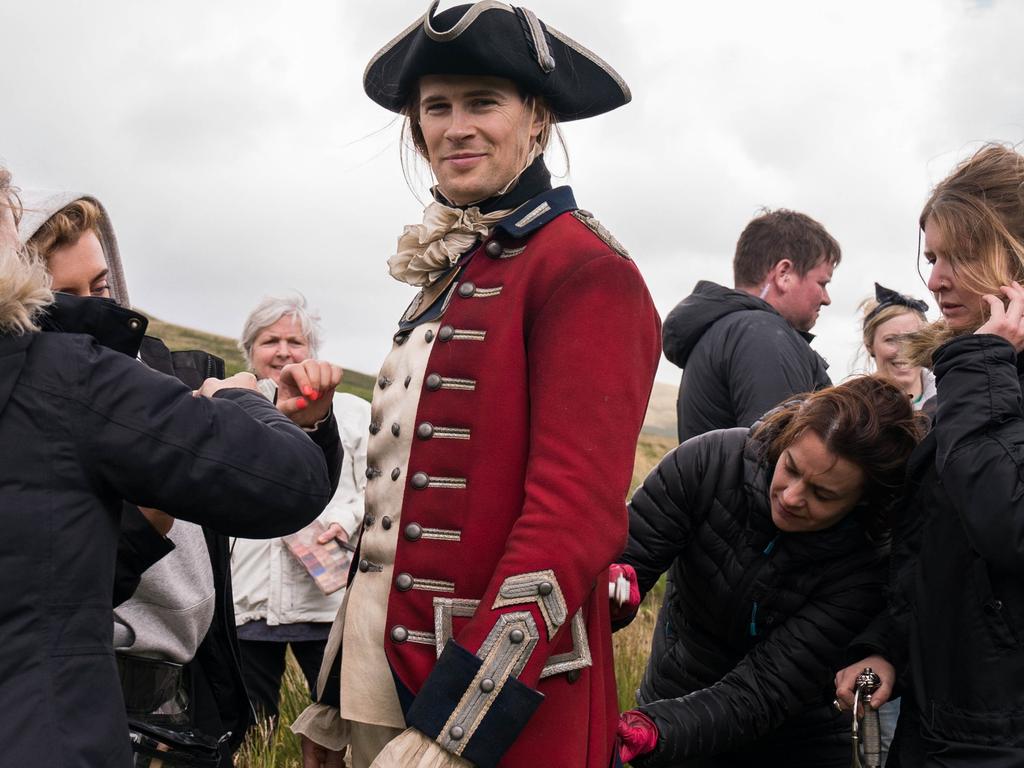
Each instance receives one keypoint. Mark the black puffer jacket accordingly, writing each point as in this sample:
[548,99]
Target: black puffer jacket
[755,621]
[740,358]
[956,622]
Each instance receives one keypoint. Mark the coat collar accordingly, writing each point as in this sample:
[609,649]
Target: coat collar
[113,326]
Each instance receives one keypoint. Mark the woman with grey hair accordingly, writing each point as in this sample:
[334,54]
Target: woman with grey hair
[283,328]
[277,603]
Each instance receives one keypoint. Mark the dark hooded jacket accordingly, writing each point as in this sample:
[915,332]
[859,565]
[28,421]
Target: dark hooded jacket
[740,358]
[754,622]
[83,428]
[955,625]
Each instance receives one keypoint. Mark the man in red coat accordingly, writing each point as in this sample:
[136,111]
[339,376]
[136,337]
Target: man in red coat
[504,424]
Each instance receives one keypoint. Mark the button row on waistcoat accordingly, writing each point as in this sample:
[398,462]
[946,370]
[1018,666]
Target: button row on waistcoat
[365,566]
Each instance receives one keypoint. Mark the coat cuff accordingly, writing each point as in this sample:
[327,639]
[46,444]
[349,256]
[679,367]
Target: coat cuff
[412,749]
[473,707]
[323,725]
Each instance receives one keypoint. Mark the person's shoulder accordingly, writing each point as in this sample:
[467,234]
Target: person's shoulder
[577,236]
[715,449]
[64,350]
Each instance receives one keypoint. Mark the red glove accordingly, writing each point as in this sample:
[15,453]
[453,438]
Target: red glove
[637,734]
[623,591]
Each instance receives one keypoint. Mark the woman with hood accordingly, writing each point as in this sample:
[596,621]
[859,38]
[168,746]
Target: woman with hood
[174,631]
[84,427]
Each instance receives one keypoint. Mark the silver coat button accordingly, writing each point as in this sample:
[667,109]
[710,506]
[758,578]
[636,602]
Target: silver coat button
[428,336]
[364,565]
[396,473]
[494,249]
[420,480]
[487,685]
[399,633]
[433,381]
[456,732]
[403,582]
[516,636]
[413,531]
[446,333]
[396,429]
[466,290]
[425,430]
[385,523]
[545,588]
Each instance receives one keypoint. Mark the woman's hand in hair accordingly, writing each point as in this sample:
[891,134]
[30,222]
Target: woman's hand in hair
[1007,322]
[306,390]
[846,681]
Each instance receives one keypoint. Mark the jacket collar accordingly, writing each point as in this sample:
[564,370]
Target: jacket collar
[536,212]
[113,326]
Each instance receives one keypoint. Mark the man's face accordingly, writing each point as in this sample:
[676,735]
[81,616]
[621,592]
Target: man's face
[801,298]
[478,132]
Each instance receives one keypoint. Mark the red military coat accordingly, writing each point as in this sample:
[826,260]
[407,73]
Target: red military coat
[532,399]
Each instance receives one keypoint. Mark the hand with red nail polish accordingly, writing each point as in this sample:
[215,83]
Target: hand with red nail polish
[305,391]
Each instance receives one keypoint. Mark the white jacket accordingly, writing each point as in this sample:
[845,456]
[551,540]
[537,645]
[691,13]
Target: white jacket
[268,582]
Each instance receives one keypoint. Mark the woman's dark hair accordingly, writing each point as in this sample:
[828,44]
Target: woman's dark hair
[867,421]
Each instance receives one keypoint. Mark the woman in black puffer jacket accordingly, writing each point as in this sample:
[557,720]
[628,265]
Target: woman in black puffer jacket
[774,542]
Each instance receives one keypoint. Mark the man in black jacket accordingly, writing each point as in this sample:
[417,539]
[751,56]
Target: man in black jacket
[745,350]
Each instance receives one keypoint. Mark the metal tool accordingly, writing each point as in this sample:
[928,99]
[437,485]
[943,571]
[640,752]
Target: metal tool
[865,730]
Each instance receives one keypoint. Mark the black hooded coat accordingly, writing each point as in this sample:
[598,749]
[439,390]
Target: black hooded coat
[83,428]
[740,358]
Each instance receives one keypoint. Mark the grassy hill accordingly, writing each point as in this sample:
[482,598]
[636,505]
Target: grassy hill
[179,337]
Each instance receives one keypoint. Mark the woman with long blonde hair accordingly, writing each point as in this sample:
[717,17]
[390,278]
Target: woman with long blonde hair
[953,636]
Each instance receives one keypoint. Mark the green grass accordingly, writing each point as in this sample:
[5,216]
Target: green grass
[266,748]
[178,337]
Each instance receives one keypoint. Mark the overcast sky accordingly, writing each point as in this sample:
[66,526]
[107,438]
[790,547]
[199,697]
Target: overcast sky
[238,156]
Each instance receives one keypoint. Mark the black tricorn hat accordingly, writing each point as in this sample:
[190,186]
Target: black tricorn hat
[499,40]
